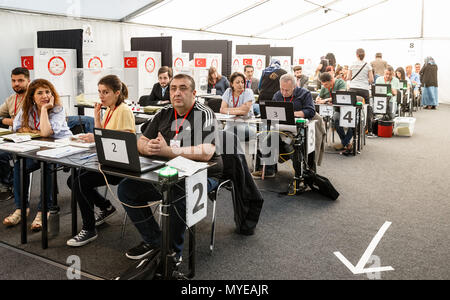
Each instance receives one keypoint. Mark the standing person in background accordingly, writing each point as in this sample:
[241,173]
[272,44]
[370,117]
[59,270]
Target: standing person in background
[321,68]
[217,84]
[378,66]
[331,60]
[269,83]
[360,77]
[428,77]
[302,80]
[414,78]
[417,68]
[160,94]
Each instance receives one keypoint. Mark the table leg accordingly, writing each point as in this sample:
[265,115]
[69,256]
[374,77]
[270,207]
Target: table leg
[74,203]
[23,200]
[44,192]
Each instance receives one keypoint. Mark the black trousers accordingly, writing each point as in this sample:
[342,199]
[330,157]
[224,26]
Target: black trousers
[87,196]
[365,94]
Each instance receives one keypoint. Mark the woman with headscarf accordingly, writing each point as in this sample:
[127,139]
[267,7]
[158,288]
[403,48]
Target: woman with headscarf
[269,83]
[428,78]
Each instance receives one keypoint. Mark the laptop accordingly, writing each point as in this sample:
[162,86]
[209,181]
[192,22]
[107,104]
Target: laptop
[282,112]
[118,149]
[343,98]
[382,89]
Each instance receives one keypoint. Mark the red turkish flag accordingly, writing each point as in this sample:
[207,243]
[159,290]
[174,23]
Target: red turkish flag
[130,62]
[27,62]
[301,61]
[247,62]
[200,62]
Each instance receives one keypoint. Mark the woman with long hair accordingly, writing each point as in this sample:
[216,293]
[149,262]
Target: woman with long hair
[118,116]
[217,84]
[42,113]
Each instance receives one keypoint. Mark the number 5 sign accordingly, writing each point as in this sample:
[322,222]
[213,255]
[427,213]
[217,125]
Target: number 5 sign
[348,116]
[196,200]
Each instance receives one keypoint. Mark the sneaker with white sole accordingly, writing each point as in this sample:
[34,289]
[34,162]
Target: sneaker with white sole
[140,251]
[104,215]
[82,238]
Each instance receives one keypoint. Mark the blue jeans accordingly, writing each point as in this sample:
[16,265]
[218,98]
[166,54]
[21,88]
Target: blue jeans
[30,166]
[5,168]
[88,122]
[137,193]
[345,137]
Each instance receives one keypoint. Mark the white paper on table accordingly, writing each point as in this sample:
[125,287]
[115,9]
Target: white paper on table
[186,166]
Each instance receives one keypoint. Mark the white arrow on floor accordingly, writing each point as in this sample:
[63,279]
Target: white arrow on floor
[359,268]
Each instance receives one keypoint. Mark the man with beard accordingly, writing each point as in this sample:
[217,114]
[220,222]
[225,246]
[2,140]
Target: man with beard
[20,78]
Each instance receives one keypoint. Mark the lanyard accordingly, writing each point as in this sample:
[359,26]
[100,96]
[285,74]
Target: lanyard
[34,117]
[109,116]
[235,104]
[15,104]
[331,90]
[386,81]
[177,128]
[292,98]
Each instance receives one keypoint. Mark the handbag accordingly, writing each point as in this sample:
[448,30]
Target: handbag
[320,184]
[144,269]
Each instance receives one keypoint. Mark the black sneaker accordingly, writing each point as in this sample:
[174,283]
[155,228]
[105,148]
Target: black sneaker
[104,215]
[82,238]
[140,251]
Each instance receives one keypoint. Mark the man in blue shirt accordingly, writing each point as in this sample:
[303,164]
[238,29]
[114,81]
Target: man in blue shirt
[414,78]
[303,108]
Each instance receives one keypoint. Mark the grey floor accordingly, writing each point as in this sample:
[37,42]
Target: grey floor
[403,180]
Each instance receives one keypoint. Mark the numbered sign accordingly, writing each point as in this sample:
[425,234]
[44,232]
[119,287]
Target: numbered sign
[326,110]
[196,200]
[379,105]
[115,150]
[348,116]
[311,144]
[343,99]
[381,89]
[276,113]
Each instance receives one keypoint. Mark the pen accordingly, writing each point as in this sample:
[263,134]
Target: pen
[88,156]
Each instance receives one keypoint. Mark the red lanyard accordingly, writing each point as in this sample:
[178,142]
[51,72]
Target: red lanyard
[386,81]
[177,128]
[235,104]
[292,98]
[34,117]
[108,117]
[331,90]
[15,104]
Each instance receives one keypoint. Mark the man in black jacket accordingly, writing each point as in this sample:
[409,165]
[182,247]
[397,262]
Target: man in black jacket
[160,94]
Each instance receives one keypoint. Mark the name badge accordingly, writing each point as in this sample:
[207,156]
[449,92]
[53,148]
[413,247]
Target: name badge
[213,91]
[175,143]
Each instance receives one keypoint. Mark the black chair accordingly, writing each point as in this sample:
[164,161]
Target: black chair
[144,100]
[214,104]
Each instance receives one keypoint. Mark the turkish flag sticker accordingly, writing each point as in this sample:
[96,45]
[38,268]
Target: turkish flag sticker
[130,62]
[200,62]
[27,62]
[247,62]
[301,61]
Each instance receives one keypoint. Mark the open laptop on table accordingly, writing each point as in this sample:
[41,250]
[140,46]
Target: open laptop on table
[118,149]
[282,113]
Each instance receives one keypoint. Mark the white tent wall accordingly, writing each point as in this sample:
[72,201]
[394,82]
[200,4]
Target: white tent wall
[108,36]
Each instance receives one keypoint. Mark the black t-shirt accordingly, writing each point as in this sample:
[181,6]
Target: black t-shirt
[199,127]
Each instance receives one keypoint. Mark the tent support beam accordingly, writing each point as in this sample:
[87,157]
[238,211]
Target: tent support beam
[142,10]
[351,14]
[261,2]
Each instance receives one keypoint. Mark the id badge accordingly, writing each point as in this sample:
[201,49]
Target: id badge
[175,143]
[213,91]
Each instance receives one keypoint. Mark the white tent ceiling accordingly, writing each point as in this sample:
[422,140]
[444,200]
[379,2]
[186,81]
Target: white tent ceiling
[267,19]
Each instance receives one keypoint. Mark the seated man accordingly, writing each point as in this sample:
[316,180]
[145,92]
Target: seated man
[330,85]
[186,128]
[302,80]
[389,78]
[20,79]
[252,83]
[160,94]
[303,108]
[414,78]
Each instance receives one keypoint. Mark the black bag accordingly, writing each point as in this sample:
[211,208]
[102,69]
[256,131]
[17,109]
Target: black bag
[145,269]
[320,184]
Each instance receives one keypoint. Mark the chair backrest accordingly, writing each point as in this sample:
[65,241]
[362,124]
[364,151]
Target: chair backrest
[144,100]
[214,104]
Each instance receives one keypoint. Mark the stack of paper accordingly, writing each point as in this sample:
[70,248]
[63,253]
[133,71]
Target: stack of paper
[186,167]
[61,152]
[4,131]
[44,144]
[20,137]
[75,141]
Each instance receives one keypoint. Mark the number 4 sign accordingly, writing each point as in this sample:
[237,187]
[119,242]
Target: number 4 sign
[196,201]
[348,116]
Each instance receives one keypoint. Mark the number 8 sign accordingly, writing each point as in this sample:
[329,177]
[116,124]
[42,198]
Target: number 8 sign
[196,200]
[347,116]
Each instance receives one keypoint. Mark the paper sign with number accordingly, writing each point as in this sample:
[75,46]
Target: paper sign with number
[311,145]
[379,105]
[344,99]
[196,201]
[348,116]
[115,150]
[326,110]
[276,113]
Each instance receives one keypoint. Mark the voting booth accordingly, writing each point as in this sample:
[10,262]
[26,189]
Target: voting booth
[257,61]
[140,72]
[180,63]
[54,65]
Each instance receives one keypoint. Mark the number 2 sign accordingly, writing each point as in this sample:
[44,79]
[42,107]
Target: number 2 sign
[196,200]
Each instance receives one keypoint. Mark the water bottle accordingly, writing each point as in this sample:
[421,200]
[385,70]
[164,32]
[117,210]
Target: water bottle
[53,221]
